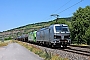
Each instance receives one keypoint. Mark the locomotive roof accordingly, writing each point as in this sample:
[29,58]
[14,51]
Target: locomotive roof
[52,26]
[59,25]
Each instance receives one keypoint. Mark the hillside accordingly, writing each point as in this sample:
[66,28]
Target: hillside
[12,33]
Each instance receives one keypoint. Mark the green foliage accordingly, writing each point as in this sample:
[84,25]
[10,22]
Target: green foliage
[80,25]
[9,38]
[61,21]
[87,35]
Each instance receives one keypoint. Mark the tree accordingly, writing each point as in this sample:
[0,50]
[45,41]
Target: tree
[80,24]
[87,36]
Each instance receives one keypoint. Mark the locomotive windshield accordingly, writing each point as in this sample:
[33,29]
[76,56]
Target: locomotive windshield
[61,28]
[58,28]
[64,29]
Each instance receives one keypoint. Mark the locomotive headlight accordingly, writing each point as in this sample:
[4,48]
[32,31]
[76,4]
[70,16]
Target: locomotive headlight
[54,36]
[65,41]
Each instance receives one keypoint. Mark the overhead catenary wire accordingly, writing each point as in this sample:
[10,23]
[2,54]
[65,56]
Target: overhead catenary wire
[70,6]
[64,9]
[62,6]
[58,9]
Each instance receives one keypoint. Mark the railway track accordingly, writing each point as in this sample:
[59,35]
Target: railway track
[73,53]
[82,50]
[78,50]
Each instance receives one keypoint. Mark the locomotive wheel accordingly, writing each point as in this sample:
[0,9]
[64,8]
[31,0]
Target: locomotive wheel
[53,46]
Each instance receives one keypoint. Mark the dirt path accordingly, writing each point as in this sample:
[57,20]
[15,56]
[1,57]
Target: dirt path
[14,51]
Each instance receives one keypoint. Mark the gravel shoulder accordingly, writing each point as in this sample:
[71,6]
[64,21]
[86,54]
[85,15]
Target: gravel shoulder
[14,51]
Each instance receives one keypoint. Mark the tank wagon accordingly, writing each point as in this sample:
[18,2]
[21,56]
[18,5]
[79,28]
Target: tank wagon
[23,37]
[54,35]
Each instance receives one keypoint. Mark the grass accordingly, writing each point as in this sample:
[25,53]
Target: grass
[5,43]
[44,54]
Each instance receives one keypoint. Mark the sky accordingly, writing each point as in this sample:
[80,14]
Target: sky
[16,13]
